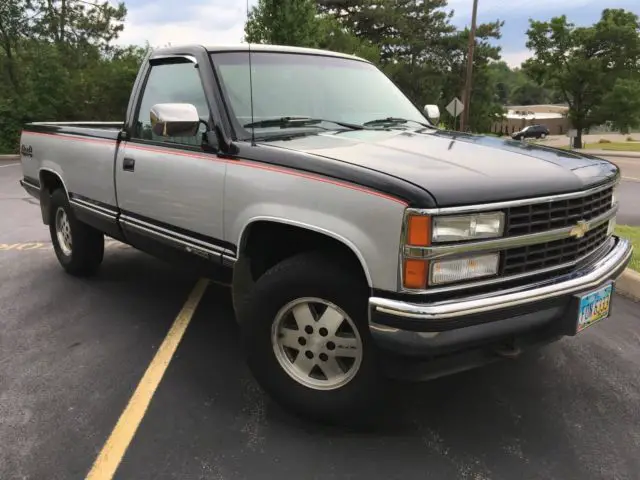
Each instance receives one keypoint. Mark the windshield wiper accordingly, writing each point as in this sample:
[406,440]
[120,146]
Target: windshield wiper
[292,122]
[392,120]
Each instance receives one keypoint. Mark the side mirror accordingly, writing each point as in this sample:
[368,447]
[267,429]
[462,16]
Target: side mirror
[174,120]
[432,112]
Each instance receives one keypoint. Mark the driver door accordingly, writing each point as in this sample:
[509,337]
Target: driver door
[169,188]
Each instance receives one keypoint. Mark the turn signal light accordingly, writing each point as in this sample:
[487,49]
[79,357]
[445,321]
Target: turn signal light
[419,231]
[415,273]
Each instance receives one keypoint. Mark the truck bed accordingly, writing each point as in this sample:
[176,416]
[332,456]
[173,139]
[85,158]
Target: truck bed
[81,153]
[107,130]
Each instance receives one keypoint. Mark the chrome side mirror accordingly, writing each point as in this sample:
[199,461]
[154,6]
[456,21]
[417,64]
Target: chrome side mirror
[174,120]
[432,112]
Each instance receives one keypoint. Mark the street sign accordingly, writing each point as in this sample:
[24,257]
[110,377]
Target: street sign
[455,107]
[572,133]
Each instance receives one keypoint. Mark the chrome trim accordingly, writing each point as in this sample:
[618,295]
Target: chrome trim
[179,236]
[228,261]
[24,182]
[495,280]
[31,188]
[92,206]
[513,203]
[191,248]
[440,251]
[590,276]
[87,208]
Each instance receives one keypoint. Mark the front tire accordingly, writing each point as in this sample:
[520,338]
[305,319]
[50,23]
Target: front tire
[78,246]
[307,340]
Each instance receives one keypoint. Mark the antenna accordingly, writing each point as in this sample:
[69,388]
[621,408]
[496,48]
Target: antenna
[253,129]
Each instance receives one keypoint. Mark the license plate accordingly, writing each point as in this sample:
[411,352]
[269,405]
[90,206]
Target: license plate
[594,306]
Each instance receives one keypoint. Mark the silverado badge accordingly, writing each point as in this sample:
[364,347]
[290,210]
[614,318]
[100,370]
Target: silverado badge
[580,229]
[26,150]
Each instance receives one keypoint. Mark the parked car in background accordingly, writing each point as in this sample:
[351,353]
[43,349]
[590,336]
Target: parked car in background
[531,131]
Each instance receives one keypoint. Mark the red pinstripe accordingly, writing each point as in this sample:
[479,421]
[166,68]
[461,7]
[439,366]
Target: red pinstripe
[212,158]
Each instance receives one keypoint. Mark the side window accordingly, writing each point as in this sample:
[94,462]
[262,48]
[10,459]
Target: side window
[171,83]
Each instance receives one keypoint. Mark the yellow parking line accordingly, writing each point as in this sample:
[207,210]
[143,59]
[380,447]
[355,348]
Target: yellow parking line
[114,449]
[28,246]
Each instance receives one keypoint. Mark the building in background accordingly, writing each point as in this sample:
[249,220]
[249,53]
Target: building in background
[554,117]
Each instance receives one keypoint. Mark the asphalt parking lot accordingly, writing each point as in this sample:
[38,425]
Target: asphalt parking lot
[73,351]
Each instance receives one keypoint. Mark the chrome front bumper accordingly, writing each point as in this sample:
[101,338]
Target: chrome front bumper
[444,324]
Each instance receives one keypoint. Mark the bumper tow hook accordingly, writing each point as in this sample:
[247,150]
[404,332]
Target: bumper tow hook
[508,351]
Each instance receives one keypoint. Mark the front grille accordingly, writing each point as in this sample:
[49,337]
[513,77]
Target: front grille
[551,254]
[541,217]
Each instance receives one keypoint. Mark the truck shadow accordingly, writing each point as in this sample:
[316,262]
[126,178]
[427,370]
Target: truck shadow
[529,415]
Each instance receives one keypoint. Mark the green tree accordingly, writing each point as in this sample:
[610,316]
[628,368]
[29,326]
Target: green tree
[514,87]
[584,63]
[283,22]
[78,22]
[333,36]
[58,62]
[296,22]
[622,105]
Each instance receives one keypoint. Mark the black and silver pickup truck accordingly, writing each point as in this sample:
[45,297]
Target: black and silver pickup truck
[360,241]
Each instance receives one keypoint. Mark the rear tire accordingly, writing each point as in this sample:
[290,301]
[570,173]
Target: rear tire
[319,362]
[78,246]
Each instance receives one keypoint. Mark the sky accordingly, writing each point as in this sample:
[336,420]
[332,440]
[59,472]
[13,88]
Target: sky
[212,22]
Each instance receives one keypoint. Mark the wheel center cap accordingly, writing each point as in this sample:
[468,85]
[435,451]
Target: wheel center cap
[315,343]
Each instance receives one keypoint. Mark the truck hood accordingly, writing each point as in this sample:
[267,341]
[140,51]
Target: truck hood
[457,168]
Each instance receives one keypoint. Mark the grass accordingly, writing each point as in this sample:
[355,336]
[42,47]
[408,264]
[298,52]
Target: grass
[615,146]
[633,234]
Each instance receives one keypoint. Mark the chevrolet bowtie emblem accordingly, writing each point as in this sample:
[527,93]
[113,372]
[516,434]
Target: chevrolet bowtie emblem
[580,229]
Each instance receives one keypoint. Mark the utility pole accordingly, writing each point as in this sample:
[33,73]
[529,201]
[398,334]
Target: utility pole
[466,100]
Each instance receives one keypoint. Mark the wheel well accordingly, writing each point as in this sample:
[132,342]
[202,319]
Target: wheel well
[267,243]
[49,183]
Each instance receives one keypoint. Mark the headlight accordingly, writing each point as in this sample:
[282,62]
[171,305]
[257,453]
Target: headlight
[468,268]
[468,227]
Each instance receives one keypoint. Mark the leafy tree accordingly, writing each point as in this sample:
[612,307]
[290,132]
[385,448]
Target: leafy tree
[296,22]
[58,62]
[622,105]
[77,22]
[283,22]
[584,63]
[333,36]
[514,87]
[14,23]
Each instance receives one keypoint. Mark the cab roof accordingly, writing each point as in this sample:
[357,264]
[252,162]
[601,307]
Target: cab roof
[255,47]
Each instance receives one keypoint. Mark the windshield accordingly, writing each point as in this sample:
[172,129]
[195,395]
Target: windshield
[313,86]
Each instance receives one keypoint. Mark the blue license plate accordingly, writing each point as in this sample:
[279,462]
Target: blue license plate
[594,306]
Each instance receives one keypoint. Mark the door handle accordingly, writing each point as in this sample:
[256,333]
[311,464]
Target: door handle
[129,164]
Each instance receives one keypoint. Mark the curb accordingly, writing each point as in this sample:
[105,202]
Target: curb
[9,158]
[628,284]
